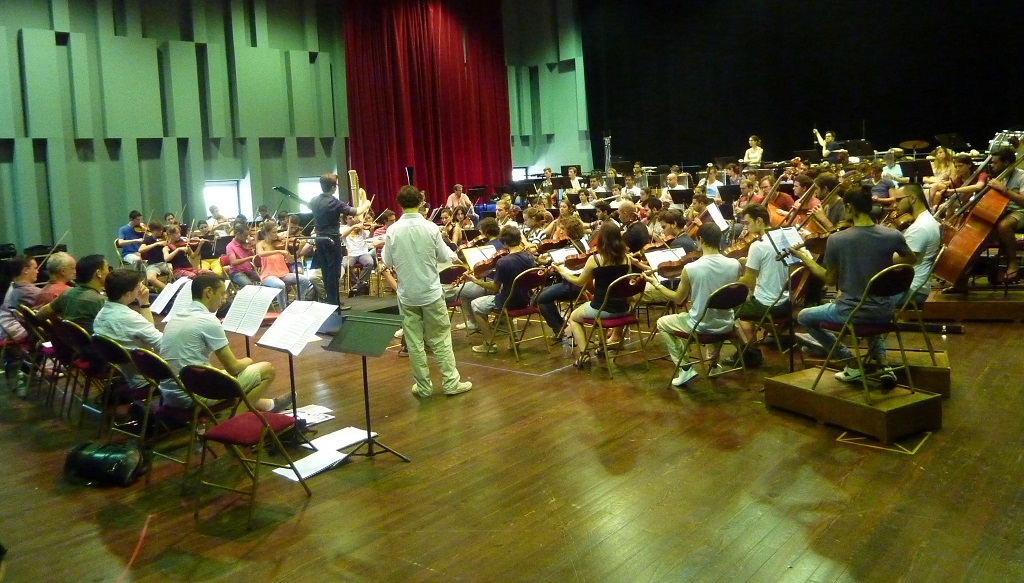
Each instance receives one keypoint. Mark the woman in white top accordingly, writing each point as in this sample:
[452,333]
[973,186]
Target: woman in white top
[274,262]
[752,157]
[711,182]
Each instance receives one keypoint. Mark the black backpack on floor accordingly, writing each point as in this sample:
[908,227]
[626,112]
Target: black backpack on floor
[104,464]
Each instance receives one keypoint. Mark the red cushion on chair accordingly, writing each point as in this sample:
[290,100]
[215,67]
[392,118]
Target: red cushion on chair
[615,322]
[244,429]
[517,313]
[861,329]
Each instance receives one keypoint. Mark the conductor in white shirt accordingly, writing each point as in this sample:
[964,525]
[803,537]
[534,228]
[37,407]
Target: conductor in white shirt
[413,247]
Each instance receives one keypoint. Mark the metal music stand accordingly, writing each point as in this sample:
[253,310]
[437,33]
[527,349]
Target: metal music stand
[294,243]
[367,334]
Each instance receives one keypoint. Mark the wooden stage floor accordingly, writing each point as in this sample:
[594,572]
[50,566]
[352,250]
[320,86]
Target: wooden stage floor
[545,473]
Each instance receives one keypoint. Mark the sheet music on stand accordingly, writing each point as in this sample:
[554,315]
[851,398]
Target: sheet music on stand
[559,255]
[659,256]
[167,294]
[716,215]
[245,316]
[296,326]
[785,239]
[477,255]
[181,301]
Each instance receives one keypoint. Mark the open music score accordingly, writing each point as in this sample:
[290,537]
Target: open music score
[245,316]
[182,300]
[296,326]
[659,256]
[476,255]
[558,257]
[167,294]
[716,216]
[784,240]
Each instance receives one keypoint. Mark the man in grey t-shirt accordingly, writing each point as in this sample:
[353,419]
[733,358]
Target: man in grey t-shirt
[852,258]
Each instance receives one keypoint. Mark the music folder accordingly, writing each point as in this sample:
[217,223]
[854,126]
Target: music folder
[728,194]
[916,169]
[683,196]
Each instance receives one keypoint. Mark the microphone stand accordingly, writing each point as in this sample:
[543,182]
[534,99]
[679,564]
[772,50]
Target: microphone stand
[781,255]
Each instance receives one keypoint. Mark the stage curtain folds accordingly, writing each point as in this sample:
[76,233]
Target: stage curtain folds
[426,88]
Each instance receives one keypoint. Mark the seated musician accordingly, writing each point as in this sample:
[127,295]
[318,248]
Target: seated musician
[753,155]
[22,292]
[180,255]
[852,257]
[597,185]
[923,237]
[555,229]
[547,188]
[958,184]
[504,213]
[1012,219]
[561,291]
[610,262]
[470,290]
[603,210]
[533,230]
[616,197]
[671,227]
[696,213]
[649,210]
[263,214]
[671,183]
[81,303]
[732,174]
[506,269]
[801,184]
[451,232]
[574,182]
[360,250]
[126,318]
[697,281]
[883,187]
[639,176]
[170,219]
[538,203]
[61,268]
[458,215]
[634,233]
[152,252]
[829,147]
[217,222]
[767,277]
[942,166]
[710,182]
[631,189]
[208,260]
[274,270]
[829,216]
[192,335]
[892,170]
[129,237]
[241,253]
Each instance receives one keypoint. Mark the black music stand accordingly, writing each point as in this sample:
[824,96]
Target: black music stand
[683,196]
[728,194]
[367,334]
[916,169]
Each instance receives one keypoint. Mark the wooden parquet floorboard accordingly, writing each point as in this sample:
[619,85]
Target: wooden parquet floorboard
[546,473]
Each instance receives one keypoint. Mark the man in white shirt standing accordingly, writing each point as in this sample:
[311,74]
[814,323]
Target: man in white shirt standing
[413,247]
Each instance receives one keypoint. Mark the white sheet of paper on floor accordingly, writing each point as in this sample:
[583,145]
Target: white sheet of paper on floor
[313,464]
[314,414]
[341,438]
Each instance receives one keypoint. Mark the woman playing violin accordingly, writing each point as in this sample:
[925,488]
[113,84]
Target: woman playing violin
[274,262]
[181,254]
[460,218]
[609,263]
[152,251]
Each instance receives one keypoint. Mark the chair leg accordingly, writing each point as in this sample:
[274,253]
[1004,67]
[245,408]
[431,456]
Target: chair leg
[860,367]
[906,363]
[824,364]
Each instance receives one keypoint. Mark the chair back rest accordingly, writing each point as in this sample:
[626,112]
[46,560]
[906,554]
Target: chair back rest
[728,297]
[908,302]
[58,335]
[210,383]
[448,275]
[151,366]
[624,287]
[29,321]
[892,280]
[526,282]
[111,350]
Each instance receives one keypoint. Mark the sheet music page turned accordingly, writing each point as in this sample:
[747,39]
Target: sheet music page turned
[296,326]
[167,294]
[785,239]
[181,301]
[659,256]
[716,216]
[245,316]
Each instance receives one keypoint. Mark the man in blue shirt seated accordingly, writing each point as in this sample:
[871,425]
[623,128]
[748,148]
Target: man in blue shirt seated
[506,269]
[129,237]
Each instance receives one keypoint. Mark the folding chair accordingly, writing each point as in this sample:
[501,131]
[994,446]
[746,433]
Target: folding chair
[889,282]
[909,305]
[85,364]
[449,276]
[121,361]
[160,420]
[629,287]
[530,282]
[775,323]
[248,429]
[727,297]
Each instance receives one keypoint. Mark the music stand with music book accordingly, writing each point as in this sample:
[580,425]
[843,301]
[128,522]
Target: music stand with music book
[683,196]
[293,329]
[248,310]
[916,169]
[367,334]
[728,193]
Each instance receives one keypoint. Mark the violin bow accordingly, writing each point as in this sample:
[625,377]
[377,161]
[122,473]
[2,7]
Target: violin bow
[53,249]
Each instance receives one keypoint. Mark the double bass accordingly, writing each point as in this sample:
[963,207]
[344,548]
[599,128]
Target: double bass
[967,243]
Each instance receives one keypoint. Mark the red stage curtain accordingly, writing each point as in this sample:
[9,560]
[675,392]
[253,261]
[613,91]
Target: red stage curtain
[418,97]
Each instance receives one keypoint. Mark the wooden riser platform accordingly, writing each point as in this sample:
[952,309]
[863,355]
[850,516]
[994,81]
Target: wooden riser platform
[934,378]
[979,305]
[891,415]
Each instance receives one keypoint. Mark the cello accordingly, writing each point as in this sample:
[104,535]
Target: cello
[984,210]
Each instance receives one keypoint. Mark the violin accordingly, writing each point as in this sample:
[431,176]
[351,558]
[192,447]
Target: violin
[474,241]
[674,269]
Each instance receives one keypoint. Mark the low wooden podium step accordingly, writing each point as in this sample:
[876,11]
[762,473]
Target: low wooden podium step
[934,378]
[889,417]
[979,305]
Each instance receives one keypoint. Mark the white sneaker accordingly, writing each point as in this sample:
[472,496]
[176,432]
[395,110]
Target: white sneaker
[685,375]
[421,391]
[485,348]
[399,333]
[466,326]
[848,375]
[460,388]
